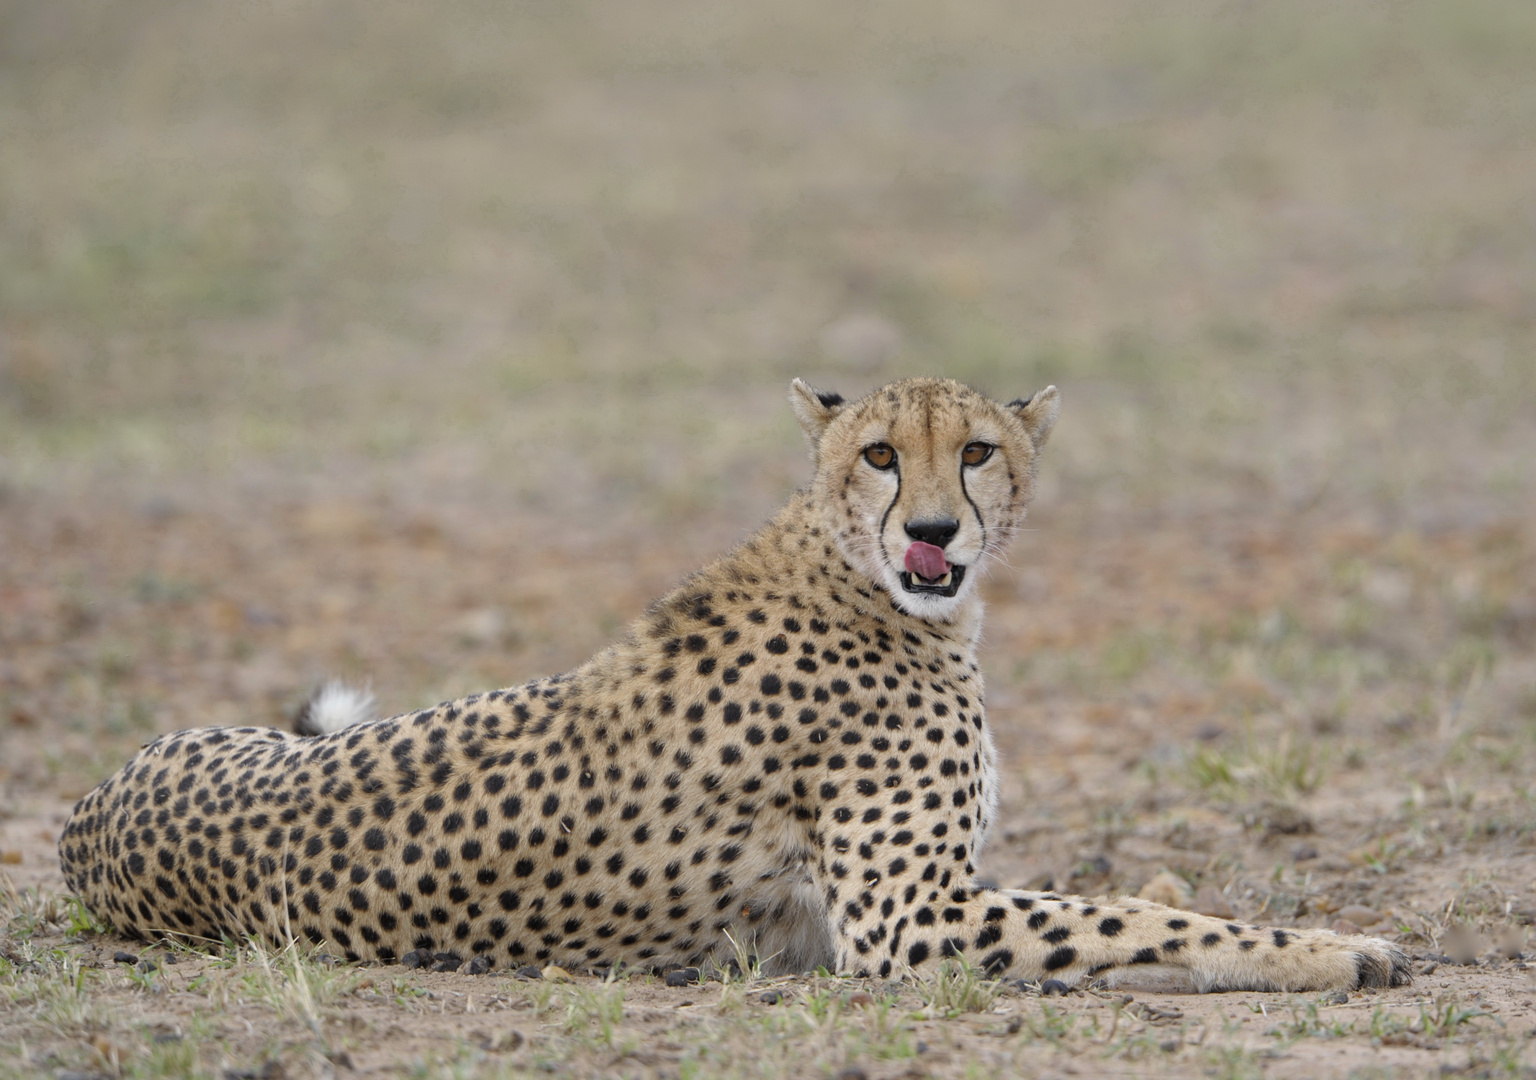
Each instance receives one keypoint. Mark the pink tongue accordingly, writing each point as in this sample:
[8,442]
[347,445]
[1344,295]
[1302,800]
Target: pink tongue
[925,560]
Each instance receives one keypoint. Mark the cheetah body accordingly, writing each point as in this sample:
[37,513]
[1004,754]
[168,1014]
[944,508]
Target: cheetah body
[787,751]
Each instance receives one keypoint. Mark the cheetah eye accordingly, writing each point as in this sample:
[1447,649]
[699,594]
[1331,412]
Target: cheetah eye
[977,452]
[880,456]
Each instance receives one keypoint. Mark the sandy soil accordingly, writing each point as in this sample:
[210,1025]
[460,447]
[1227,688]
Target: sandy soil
[423,344]
[1122,655]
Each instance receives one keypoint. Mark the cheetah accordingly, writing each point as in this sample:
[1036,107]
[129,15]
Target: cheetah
[789,748]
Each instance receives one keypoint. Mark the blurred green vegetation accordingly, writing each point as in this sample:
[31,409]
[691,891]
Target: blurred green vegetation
[1277,252]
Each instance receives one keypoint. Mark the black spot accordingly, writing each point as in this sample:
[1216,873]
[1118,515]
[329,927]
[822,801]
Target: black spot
[1111,926]
[998,962]
[1060,958]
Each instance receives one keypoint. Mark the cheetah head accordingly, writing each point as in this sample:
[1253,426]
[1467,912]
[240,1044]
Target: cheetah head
[922,480]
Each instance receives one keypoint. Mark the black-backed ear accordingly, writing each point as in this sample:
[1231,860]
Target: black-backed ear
[1038,412]
[815,409]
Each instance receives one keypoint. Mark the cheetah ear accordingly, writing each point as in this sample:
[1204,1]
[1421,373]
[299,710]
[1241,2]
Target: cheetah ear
[1038,412]
[815,409]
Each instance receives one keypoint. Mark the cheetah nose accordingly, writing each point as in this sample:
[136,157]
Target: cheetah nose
[937,531]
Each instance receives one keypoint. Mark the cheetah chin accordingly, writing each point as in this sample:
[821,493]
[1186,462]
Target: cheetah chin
[787,751]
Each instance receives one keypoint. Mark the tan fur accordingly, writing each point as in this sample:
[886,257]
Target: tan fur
[789,748]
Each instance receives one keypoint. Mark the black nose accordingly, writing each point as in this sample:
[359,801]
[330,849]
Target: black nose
[937,532]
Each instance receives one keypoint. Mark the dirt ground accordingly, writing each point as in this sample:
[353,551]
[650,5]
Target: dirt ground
[421,346]
[1267,716]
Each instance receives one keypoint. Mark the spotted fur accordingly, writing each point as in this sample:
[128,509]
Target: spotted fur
[788,748]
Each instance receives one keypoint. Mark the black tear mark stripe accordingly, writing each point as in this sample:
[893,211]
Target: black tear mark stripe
[896,466]
[980,521]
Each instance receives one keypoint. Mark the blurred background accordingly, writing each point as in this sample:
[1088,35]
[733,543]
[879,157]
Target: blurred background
[572,252]
[422,344]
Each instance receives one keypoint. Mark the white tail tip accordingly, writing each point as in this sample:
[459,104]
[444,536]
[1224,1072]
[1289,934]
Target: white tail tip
[333,706]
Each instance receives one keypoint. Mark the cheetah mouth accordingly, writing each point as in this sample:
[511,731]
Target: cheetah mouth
[947,584]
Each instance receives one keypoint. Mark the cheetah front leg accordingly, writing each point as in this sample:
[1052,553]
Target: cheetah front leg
[1044,935]
[895,913]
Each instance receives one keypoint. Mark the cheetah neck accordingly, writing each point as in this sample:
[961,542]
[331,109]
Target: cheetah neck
[793,558]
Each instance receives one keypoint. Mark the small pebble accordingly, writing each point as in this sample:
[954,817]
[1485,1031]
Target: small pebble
[528,971]
[1359,914]
[507,1040]
[861,999]
[1015,1023]
[772,997]
[1166,888]
[682,976]
[1338,997]
[1463,945]
[479,965]
[121,957]
[416,958]
[271,1070]
[163,1038]
[921,1047]
[1024,986]
[447,961]
[1054,986]
[1210,900]
[1304,853]
[853,1072]
[556,973]
[147,965]
[1168,1046]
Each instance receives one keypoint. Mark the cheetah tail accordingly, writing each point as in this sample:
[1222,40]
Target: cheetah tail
[333,706]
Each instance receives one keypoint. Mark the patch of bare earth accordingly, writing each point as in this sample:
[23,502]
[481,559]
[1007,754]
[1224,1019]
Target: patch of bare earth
[1295,721]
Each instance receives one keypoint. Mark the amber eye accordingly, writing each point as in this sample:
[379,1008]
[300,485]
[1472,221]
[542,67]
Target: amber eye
[977,452]
[880,456]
